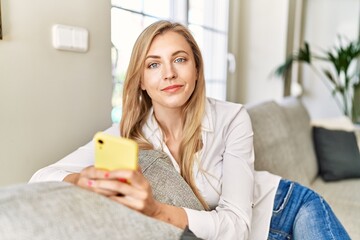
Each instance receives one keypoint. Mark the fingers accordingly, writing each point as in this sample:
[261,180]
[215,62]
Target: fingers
[147,206]
[130,202]
[91,184]
[120,188]
[128,187]
[88,178]
[136,191]
[93,173]
[134,178]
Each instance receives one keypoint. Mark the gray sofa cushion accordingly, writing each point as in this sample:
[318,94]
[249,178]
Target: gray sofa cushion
[283,141]
[273,142]
[344,198]
[58,211]
[298,120]
[167,184]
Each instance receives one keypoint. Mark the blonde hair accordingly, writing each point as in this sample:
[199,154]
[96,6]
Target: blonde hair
[137,103]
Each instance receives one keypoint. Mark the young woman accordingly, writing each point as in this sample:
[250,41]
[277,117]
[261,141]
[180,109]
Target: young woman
[209,142]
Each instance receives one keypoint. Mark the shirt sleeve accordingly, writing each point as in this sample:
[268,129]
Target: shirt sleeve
[72,163]
[231,219]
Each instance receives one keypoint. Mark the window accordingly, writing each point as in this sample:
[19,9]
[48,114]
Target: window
[207,20]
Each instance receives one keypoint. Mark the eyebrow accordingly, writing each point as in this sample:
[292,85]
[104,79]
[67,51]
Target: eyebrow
[175,53]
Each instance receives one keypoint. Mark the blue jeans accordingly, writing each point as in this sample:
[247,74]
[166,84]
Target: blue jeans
[300,213]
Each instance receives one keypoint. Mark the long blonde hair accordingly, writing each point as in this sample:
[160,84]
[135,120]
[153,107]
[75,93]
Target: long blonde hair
[137,103]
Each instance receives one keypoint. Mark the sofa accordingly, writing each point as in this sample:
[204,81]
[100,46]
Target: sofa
[59,210]
[283,142]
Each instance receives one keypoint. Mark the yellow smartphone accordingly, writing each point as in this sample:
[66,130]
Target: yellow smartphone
[112,153]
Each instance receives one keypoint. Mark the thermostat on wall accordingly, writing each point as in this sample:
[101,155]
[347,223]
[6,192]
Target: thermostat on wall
[70,38]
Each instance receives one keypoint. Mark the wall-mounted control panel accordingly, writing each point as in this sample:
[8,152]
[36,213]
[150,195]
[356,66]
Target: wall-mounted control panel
[70,38]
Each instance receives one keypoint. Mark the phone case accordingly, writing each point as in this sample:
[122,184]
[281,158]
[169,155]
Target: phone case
[112,153]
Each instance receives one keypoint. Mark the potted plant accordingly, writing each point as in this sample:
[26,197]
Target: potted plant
[341,76]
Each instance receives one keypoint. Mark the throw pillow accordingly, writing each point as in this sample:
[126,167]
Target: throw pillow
[166,183]
[337,153]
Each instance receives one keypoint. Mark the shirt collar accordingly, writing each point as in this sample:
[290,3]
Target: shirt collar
[207,124]
[152,128]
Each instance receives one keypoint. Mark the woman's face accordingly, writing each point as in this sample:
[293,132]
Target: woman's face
[170,72]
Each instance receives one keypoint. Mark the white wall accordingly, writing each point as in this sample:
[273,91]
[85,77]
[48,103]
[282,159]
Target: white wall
[324,20]
[51,101]
[257,38]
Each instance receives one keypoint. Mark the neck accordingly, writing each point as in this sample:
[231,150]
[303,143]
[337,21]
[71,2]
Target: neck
[171,123]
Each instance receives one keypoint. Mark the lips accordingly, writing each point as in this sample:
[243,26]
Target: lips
[172,87]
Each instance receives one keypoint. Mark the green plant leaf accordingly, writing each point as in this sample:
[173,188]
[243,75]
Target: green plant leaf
[282,69]
[330,76]
[343,56]
[303,55]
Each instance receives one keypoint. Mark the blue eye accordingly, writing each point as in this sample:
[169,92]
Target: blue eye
[179,60]
[153,65]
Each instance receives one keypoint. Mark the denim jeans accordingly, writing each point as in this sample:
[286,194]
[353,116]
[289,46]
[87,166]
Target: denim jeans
[300,213]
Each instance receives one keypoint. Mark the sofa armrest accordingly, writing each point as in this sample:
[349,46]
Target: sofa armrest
[58,210]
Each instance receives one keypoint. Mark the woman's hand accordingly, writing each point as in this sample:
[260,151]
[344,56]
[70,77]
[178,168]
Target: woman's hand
[127,187]
[131,189]
[87,178]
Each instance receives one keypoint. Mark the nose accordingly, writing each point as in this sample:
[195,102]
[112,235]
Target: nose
[169,72]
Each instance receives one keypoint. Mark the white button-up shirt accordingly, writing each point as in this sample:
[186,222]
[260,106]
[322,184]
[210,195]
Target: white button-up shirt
[241,198]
